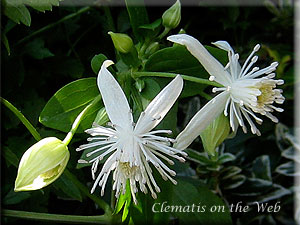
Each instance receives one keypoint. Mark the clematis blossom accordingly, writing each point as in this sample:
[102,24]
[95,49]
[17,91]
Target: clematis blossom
[246,90]
[132,147]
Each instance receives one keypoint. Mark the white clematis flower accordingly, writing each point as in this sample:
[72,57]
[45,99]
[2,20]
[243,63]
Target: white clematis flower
[246,91]
[132,146]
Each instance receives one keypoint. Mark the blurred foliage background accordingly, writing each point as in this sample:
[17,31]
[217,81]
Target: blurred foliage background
[36,63]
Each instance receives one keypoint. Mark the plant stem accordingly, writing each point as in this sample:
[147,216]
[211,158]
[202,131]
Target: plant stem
[164,33]
[78,119]
[172,75]
[102,204]
[22,118]
[103,219]
[70,16]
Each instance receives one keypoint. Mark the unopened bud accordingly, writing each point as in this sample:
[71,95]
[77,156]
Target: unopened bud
[152,48]
[216,132]
[122,42]
[171,17]
[42,164]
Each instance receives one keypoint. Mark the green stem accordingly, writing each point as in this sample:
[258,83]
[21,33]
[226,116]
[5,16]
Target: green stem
[22,118]
[172,75]
[78,119]
[70,16]
[102,204]
[164,33]
[103,219]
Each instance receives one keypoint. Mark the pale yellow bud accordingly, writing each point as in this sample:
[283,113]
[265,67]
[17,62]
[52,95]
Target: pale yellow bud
[42,164]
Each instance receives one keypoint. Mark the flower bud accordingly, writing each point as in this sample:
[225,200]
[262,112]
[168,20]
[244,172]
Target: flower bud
[139,85]
[152,48]
[42,164]
[122,42]
[216,132]
[171,17]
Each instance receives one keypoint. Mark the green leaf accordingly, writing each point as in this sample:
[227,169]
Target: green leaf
[124,201]
[198,157]
[42,5]
[97,61]
[233,182]
[226,157]
[261,168]
[229,172]
[253,187]
[16,11]
[276,192]
[37,49]
[10,157]
[68,187]
[287,169]
[15,197]
[152,26]
[62,109]
[186,194]
[5,42]
[151,89]
[138,16]
[101,117]
[178,59]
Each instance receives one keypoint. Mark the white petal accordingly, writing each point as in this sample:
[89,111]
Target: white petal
[223,45]
[114,99]
[213,66]
[159,106]
[201,120]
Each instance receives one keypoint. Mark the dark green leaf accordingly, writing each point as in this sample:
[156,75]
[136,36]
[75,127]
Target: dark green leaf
[16,11]
[138,16]
[226,157]
[178,59]
[42,5]
[198,157]
[10,157]
[261,168]
[68,187]
[289,153]
[276,192]
[151,89]
[186,194]
[152,26]
[287,169]
[37,49]
[233,182]
[97,61]
[229,172]
[62,109]
[253,187]
[15,197]
[5,42]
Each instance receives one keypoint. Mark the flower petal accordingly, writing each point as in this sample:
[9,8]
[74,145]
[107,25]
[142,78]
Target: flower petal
[159,106]
[213,66]
[114,99]
[223,45]
[201,120]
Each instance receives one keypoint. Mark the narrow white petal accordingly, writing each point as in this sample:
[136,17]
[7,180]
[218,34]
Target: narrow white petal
[114,99]
[223,45]
[213,66]
[201,120]
[159,106]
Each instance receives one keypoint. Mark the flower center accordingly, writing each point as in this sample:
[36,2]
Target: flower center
[267,95]
[127,170]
